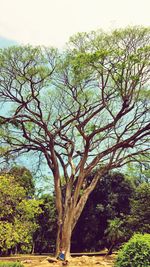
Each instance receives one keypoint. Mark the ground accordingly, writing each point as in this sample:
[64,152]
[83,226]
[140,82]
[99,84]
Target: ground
[83,261]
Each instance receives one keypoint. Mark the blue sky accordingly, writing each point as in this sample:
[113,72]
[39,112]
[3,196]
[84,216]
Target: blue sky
[4,42]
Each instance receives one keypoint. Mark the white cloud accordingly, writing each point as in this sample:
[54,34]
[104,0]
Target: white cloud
[51,22]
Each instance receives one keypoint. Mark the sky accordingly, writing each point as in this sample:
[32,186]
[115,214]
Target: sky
[52,22]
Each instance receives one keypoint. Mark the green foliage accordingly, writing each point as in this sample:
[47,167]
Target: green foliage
[139,218]
[34,60]
[10,264]
[17,215]
[23,177]
[115,231]
[139,172]
[135,253]
[11,193]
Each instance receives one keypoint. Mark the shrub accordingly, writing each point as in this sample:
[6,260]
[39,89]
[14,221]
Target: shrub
[135,253]
[10,264]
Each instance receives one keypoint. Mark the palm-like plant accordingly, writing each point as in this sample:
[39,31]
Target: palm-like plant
[114,233]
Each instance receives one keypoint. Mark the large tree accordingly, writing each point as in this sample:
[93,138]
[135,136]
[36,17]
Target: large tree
[85,107]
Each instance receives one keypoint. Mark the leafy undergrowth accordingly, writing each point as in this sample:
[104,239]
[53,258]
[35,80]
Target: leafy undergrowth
[135,253]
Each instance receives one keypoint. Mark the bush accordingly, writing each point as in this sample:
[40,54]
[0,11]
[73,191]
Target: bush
[10,264]
[135,253]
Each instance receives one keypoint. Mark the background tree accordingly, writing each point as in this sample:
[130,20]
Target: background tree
[139,172]
[45,236]
[86,107]
[109,202]
[23,177]
[139,218]
[17,216]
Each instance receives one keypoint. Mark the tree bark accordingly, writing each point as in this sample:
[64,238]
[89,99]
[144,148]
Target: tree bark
[66,239]
[33,247]
[64,233]
[58,239]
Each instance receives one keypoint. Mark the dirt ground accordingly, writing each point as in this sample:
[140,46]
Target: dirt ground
[83,261]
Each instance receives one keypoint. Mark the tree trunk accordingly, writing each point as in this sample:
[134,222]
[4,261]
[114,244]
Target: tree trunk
[58,240]
[66,240]
[110,249]
[64,233]
[69,213]
[16,250]
[33,247]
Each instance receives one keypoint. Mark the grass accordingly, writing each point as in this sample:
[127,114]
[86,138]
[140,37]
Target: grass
[10,264]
